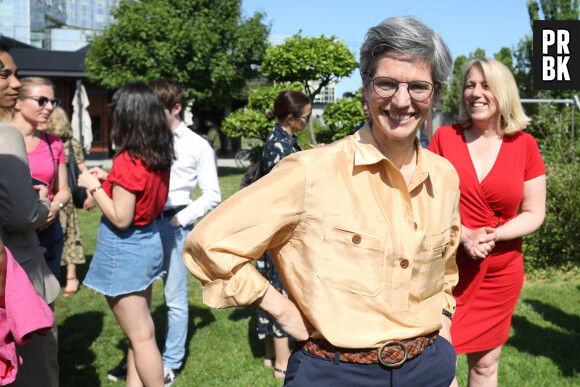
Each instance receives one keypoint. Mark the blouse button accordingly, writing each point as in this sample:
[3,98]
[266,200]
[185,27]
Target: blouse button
[356,238]
[404,263]
[415,225]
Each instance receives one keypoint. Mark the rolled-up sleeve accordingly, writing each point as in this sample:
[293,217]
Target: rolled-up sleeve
[220,249]
[451,276]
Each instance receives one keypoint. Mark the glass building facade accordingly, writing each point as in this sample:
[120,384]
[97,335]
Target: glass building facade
[54,24]
[15,19]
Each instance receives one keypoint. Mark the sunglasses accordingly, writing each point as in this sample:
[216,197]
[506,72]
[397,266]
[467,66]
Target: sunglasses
[42,101]
[307,117]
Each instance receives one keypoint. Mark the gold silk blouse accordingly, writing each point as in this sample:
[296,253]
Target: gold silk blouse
[365,257]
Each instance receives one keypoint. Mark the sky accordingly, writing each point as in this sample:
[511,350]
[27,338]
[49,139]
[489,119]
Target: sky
[465,25]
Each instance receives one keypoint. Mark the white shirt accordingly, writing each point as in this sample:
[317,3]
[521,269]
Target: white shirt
[195,164]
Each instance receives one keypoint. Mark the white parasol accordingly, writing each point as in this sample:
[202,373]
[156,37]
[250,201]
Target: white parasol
[81,119]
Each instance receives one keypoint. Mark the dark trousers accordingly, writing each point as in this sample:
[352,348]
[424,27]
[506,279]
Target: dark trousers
[435,366]
[52,239]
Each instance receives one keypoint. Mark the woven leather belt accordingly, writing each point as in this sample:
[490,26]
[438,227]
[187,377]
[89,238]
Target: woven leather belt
[392,354]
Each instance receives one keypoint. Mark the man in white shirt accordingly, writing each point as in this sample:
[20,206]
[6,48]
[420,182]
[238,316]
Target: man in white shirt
[195,165]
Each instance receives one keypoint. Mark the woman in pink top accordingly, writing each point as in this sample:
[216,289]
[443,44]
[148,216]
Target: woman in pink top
[46,157]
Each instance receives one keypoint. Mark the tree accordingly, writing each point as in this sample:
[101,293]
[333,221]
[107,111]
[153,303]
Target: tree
[251,120]
[205,45]
[505,56]
[555,244]
[453,94]
[344,115]
[553,9]
[523,72]
[549,10]
[303,60]
[479,53]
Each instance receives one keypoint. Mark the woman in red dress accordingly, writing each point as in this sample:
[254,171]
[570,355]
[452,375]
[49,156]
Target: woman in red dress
[501,171]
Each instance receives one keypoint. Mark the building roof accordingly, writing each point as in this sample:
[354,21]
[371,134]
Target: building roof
[44,63]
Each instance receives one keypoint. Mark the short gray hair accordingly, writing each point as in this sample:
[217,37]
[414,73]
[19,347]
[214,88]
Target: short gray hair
[410,36]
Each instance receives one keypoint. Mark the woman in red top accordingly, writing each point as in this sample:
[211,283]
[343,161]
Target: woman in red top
[500,171]
[129,253]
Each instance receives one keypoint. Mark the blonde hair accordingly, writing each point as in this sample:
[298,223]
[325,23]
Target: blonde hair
[503,86]
[30,82]
[59,124]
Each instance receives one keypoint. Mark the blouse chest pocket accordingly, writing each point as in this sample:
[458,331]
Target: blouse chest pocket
[352,256]
[431,270]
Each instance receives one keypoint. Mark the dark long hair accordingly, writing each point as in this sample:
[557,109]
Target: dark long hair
[288,102]
[140,127]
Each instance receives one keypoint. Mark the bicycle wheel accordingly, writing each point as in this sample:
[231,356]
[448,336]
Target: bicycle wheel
[242,158]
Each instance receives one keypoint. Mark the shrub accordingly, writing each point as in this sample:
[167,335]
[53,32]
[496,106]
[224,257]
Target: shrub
[556,245]
[343,116]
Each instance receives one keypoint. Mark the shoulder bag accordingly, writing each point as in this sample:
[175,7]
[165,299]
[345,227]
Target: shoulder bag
[78,194]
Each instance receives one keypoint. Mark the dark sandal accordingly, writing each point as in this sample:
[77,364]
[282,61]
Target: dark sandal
[280,371]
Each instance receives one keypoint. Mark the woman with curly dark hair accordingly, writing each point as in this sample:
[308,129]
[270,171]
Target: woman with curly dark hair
[129,253]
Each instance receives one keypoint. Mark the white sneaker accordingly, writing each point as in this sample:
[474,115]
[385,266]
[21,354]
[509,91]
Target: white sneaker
[169,376]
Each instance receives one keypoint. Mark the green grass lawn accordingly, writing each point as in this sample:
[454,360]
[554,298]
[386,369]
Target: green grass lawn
[222,349]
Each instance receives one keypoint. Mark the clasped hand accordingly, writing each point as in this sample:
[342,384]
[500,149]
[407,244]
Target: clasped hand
[480,242]
[92,178]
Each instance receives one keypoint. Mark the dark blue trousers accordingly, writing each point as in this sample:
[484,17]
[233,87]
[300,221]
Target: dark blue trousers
[435,366]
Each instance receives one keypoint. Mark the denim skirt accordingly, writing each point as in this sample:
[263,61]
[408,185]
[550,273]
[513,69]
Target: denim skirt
[125,261]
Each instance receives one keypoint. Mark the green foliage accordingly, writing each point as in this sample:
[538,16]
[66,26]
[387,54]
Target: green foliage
[323,134]
[303,59]
[556,243]
[479,53]
[553,9]
[205,45]
[263,98]
[343,116]
[524,71]
[247,123]
[251,120]
[505,56]
[453,94]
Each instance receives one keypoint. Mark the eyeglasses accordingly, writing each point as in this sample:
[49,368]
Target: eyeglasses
[387,87]
[307,117]
[42,101]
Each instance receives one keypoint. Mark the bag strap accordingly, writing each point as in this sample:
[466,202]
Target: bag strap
[51,156]
[72,162]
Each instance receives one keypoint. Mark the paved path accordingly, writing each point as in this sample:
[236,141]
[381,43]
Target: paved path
[107,163]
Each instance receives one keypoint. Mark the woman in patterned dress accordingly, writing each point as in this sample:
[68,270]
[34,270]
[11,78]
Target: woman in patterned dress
[72,253]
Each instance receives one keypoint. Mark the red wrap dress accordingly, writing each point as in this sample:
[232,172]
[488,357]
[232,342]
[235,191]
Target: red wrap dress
[488,289]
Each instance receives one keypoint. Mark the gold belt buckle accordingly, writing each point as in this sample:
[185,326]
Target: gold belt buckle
[388,344]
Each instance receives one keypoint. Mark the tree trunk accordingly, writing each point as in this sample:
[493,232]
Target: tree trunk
[311,131]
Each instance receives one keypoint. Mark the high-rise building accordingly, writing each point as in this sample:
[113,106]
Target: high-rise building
[15,19]
[62,25]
